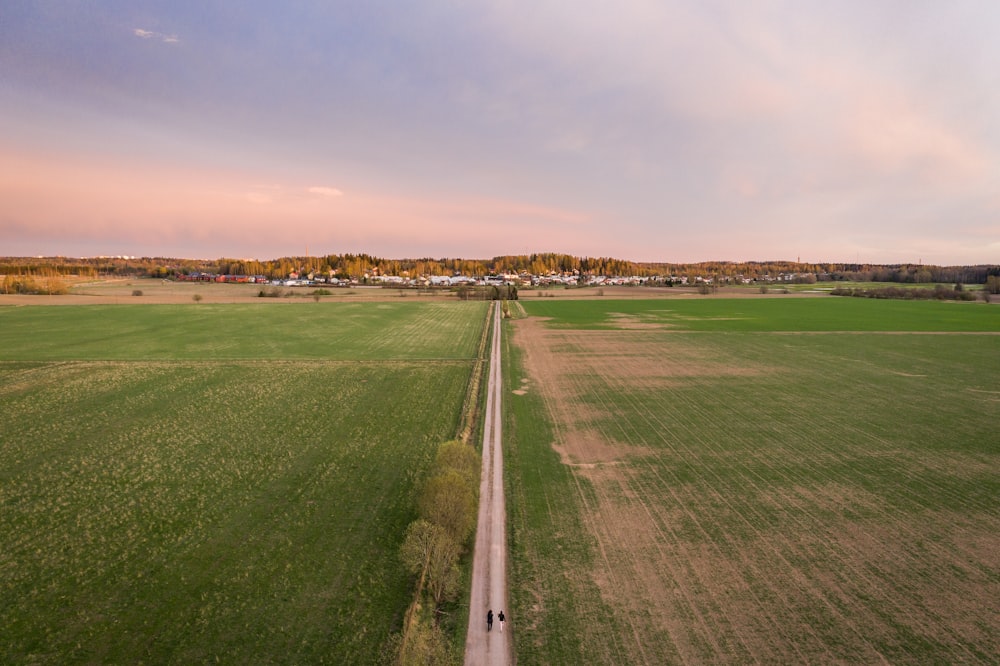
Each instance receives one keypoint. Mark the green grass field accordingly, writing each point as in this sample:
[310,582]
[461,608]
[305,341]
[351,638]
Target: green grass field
[202,483]
[755,480]
[272,330]
[746,315]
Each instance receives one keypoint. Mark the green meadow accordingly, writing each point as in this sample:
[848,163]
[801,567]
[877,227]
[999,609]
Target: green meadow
[374,331]
[217,483]
[754,480]
[772,314]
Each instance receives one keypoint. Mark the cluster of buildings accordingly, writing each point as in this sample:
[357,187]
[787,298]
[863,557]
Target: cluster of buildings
[294,279]
[215,277]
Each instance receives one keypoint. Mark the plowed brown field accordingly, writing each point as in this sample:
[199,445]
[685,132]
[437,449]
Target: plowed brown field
[738,514]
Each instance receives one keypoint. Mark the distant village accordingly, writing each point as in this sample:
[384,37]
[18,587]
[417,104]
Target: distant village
[522,279]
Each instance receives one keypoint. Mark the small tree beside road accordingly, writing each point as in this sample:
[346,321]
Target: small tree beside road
[429,552]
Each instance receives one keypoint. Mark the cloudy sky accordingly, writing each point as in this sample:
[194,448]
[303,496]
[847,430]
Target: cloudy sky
[659,130]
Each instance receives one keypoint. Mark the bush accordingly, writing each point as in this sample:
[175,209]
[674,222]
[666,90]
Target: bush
[197,298]
[424,643]
[448,501]
[462,458]
[26,285]
[939,292]
[137,292]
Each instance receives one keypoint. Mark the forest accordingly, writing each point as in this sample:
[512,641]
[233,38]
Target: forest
[359,265]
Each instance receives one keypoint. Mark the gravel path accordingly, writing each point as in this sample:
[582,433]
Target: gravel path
[489,563]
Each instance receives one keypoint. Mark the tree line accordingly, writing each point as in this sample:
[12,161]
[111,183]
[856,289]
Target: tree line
[356,266]
[447,505]
[938,292]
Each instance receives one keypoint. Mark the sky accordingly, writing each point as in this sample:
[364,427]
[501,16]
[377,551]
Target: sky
[648,130]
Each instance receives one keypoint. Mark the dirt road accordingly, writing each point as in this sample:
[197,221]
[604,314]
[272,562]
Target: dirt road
[489,562]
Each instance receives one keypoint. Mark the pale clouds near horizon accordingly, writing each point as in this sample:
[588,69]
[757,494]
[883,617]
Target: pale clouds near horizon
[325,191]
[656,131]
[152,34]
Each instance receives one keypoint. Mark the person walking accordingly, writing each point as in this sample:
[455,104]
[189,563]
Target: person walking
[501,618]
[489,620]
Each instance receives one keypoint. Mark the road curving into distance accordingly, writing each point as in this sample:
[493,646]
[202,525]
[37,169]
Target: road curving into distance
[489,560]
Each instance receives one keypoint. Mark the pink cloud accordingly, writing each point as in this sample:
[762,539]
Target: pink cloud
[146,209]
[325,191]
[152,34]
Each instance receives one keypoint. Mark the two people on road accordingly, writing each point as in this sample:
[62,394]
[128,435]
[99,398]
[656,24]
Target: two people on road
[489,620]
